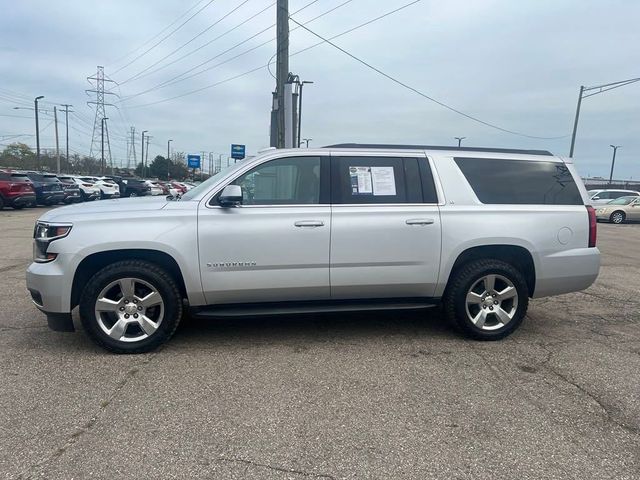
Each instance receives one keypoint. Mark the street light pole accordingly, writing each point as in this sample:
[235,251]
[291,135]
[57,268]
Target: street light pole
[102,145]
[301,84]
[459,140]
[595,90]
[142,152]
[613,161]
[37,133]
[168,161]
[307,140]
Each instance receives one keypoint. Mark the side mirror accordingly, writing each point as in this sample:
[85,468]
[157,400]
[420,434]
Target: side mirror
[231,196]
[595,198]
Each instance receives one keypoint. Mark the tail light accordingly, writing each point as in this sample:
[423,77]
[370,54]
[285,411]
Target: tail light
[593,226]
[15,187]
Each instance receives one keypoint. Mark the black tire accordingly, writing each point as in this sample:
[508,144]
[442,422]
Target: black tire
[1,203]
[617,217]
[17,207]
[149,272]
[464,278]
[133,194]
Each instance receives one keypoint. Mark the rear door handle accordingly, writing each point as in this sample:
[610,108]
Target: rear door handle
[420,221]
[309,223]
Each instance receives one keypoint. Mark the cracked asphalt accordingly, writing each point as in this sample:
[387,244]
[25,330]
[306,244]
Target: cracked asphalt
[367,396]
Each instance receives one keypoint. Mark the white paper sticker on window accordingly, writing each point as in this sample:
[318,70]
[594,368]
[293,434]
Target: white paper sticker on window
[384,182]
[361,180]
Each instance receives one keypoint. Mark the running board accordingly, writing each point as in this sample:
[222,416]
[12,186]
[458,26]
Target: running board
[297,308]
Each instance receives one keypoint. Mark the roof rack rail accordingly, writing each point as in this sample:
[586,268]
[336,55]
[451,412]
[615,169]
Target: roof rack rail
[374,146]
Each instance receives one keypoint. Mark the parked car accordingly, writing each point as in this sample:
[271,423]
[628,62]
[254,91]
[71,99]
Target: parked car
[154,188]
[602,197]
[23,177]
[48,188]
[72,191]
[620,210]
[108,188]
[88,191]
[182,188]
[169,189]
[135,187]
[347,227]
[14,192]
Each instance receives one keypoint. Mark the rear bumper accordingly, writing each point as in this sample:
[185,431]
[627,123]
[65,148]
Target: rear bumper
[568,271]
[50,197]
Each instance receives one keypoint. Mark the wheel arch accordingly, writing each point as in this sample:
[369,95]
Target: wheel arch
[91,264]
[515,255]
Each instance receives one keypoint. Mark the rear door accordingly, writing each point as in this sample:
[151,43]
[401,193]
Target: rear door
[385,234]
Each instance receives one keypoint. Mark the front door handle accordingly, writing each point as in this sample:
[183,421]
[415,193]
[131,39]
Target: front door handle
[420,221]
[309,223]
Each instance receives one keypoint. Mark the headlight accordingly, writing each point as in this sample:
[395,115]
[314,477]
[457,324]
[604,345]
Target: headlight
[45,233]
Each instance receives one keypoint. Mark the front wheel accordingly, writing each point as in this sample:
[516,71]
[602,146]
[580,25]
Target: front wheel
[133,194]
[617,217]
[487,299]
[131,306]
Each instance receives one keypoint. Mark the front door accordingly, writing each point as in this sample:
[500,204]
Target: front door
[275,246]
[385,235]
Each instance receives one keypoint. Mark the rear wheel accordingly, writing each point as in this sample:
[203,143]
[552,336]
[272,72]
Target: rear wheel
[131,306]
[1,203]
[617,217]
[133,194]
[487,299]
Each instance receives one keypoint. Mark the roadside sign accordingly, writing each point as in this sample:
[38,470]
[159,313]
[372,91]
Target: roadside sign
[193,161]
[237,151]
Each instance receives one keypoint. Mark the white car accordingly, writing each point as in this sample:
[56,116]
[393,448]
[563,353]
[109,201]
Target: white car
[155,188]
[89,190]
[602,197]
[108,188]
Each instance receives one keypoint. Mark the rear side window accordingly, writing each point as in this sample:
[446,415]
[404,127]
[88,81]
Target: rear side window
[370,180]
[4,176]
[497,181]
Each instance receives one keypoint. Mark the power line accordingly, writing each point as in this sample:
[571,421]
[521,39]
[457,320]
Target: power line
[157,34]
[177,78]
[424,95]
[248,72]
[164,38]
[186,43]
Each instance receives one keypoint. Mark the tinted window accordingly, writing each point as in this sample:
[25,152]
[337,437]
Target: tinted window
[367,180]
[4,176]
[498,181]
[286,181]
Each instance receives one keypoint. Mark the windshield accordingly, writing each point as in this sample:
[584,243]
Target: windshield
[622,201]
[204,186]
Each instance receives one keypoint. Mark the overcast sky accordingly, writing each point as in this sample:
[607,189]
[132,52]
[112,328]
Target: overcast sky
[515,64]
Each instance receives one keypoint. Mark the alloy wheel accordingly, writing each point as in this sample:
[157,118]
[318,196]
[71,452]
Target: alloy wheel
[129,309]
[491,302]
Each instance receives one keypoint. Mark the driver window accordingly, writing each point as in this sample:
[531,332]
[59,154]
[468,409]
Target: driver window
[285,181]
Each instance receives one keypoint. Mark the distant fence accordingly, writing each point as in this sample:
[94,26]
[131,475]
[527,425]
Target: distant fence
[595,183]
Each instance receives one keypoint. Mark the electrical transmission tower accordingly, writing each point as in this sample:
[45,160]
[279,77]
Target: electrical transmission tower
[97,82]
[131,149]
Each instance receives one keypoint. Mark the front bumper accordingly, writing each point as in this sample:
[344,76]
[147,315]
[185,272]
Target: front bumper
[22,200]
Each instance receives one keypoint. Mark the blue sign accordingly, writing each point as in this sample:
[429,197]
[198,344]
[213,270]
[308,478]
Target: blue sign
[193,161]
[237,151]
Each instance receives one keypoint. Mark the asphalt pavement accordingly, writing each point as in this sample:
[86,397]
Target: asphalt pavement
[359,396]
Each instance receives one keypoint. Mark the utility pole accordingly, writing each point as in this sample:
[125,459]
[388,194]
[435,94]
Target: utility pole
[66,121]
[595,90]
[146,157]
[282,67]
[102,145]
[168,159]
[142,152]
[131,150]
[219,163]
[37,133]
[98,81]
[55,121]
[459,139]
[613,161]
[301,84]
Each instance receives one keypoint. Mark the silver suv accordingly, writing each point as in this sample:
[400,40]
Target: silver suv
[340,228]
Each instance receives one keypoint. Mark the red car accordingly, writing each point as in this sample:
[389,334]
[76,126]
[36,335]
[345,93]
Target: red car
[15,193]
[180,187]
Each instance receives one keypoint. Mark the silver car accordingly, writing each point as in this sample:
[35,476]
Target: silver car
[602,197]
[341,228]
[620,210]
